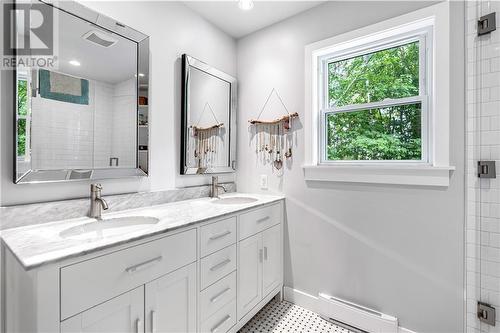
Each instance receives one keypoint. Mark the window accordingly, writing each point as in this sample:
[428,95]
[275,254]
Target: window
[377,102]
[374,102]
[23,127]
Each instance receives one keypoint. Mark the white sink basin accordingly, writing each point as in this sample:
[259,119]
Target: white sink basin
[234,201]
[108,227]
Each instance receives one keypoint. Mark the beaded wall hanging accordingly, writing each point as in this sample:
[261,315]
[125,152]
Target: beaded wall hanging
[207,140]
[274,138]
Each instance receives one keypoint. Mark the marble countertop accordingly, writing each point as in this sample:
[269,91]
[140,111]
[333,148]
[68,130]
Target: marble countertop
[42,244]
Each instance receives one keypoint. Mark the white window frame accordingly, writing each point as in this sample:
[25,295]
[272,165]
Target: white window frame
[422,36]
[431,27]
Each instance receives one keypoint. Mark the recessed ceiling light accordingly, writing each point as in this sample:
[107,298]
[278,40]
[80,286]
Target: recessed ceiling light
[75,63]
[245,4]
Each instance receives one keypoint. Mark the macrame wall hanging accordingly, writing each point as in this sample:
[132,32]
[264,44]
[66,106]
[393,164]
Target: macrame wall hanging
[274,138]
[207,141]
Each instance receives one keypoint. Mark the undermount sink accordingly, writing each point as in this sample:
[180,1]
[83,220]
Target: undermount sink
[234,201]
[108,227]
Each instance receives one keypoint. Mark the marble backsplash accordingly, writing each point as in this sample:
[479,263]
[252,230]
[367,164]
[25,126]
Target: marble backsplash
[22,215]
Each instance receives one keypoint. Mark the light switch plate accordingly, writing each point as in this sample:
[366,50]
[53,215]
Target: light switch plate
[263,182]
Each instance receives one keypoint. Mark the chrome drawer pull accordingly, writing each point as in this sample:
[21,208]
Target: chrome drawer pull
[222,234]
[143,265]
[222,322]
[220,265]
[218,296]
[153,322]
[138,326]
[263,219]
[265,252]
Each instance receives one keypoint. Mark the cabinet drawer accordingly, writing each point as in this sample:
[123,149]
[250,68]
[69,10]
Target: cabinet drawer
[94,281]
[221,321]
[217,265]
[258,220]
[217,295]
[218,235]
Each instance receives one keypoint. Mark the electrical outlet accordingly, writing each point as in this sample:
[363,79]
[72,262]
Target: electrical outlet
[263,182]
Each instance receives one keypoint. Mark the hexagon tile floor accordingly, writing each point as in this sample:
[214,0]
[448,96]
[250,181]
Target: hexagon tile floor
[284,317]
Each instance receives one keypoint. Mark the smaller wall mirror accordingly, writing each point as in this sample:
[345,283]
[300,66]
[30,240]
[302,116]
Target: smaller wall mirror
[208,119]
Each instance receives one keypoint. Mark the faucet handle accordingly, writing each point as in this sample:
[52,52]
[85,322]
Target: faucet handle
[95,187]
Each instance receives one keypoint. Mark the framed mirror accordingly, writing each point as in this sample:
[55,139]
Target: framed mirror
[85,118]
[208,119]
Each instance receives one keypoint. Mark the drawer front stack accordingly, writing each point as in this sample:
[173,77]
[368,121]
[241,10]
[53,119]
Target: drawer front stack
[217,298]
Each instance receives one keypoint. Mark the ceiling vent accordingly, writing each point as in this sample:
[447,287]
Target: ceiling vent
[99,38]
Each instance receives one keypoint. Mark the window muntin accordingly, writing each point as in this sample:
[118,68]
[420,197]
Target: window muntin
[366,94]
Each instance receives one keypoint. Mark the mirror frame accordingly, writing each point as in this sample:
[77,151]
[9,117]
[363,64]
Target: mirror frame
[191,62]
[143,86]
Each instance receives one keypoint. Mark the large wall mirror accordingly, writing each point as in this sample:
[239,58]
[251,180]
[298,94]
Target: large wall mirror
[208,119]
[86,118]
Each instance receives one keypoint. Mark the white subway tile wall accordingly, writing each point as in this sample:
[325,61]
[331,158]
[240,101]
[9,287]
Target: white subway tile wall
[73,136]
[124,140]
[62,134]
[103,119]
[483,143]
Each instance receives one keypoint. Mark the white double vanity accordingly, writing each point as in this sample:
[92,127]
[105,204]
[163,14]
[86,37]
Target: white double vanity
[198,265]
[201,265]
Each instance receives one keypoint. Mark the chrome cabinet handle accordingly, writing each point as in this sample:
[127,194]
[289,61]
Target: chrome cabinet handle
[265,252]
[218,296]
[138,326]
[222,322]
[260,255]
[220,265]
[222,234]
[143,265]
[153,322]
[263,219]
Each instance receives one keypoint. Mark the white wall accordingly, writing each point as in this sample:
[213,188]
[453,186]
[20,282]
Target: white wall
[174,29]
[393,248]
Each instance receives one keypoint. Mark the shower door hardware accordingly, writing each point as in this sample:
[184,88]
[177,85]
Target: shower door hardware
[486,24]
[486,169]
[486,313]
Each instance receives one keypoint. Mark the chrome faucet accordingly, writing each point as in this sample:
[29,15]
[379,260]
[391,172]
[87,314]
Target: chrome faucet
[214,187]
[97,204]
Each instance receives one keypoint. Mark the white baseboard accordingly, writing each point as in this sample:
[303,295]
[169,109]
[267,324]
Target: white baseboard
[310,303]
[300,298]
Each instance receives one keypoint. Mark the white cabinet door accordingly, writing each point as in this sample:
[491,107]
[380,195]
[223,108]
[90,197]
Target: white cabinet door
[249,273]
[272,265]
[171,302]
[122,314]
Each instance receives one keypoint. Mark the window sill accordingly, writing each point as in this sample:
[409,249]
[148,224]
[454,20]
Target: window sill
[380,174]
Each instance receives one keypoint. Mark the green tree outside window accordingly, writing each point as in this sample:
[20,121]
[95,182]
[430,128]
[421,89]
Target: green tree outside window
[389,133]
[22,112]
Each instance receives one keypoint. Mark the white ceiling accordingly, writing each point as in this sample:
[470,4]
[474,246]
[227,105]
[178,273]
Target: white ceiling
[228,17]
[113,64]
